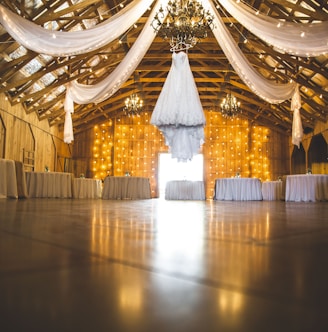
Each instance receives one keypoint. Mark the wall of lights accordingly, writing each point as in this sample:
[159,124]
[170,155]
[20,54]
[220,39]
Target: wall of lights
[235,147]
[130,146]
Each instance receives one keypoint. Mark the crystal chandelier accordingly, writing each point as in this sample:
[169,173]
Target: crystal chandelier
[133,105]
[186,23]
[230,107]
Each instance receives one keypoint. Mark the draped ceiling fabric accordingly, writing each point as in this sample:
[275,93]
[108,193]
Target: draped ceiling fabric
[291,38]
[67,43]
[288,37]
[297,130]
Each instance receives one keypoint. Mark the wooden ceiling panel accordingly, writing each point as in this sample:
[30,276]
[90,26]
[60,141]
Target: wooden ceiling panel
[38,81]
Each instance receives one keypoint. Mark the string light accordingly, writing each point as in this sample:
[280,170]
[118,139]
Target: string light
[132,144]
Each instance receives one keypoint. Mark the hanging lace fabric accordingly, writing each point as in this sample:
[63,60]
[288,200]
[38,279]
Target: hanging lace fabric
[178,112]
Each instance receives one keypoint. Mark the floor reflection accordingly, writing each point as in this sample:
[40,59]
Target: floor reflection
[179,243]
[97,265]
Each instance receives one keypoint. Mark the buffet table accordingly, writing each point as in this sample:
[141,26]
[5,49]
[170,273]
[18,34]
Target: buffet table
[307,187]
[238,189]
[126,187]
[49,184]
[87,188]
[8,179]
[185,190]
[272,190]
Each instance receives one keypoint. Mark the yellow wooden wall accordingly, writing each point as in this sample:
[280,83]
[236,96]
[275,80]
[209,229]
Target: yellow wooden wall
[131,145]
[24,131]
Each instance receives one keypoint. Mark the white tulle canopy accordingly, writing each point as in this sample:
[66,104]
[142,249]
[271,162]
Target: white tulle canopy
[288,37]
[63,43]
[291,38]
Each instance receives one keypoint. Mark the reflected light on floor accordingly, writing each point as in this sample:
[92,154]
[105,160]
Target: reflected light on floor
[130,298]
[180,234]
[230,302]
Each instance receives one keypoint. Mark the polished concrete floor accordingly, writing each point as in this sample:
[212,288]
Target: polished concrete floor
[156,265]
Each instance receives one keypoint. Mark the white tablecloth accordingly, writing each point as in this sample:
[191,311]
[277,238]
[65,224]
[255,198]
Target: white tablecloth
[238,189]
[49,184]
[185,190]
[126,187]
[272,190]
[87,188]
[307,187]
[8,179]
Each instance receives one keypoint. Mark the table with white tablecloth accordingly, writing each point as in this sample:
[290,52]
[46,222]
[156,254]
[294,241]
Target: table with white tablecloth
[12,179]
[126,187]
[8,179]
[49,184]
[238,189]
[87,188]
[185,190]
[272,190]
[306,187]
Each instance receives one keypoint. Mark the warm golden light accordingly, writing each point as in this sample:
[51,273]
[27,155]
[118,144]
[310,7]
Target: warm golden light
[132,144]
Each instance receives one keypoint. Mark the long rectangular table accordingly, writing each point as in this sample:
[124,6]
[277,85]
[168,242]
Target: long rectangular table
[126,187]
[49,184]
[272,190]
[87,188]
[185,190]
[306,187]
[238,189]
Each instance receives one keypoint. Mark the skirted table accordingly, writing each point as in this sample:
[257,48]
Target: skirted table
[126,187]
[238,189]
[272,190]
[307,187]
[185,190]
[12,179]
[49,184]
[87,188]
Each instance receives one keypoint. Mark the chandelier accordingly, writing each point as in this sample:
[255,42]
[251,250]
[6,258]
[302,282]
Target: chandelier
[186,23]
[133,105]
[230,107]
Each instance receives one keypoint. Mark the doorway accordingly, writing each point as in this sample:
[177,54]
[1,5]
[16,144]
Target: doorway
[170,169]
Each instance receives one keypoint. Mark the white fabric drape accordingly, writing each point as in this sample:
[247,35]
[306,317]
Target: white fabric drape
[68,125]
[84,94]
[62,43]
[68,43]
[297,128]
[269,91]
[288,37]
[68,128]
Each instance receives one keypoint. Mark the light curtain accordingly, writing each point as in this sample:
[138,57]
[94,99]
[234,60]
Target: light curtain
[64,43]
[288,37]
